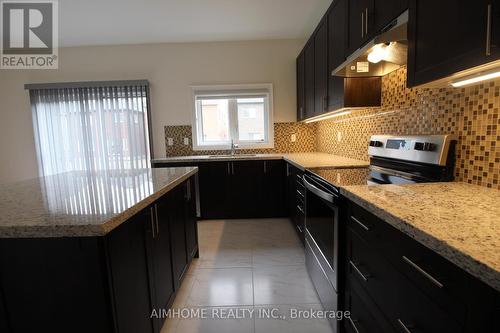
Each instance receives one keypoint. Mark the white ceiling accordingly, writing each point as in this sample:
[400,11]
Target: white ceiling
[104,22]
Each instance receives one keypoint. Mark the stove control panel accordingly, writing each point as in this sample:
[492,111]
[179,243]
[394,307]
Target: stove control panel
[431,149]
[425,146]
[374,143]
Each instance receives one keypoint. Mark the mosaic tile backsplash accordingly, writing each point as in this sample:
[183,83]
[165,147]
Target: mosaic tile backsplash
[472,113]
[305,141]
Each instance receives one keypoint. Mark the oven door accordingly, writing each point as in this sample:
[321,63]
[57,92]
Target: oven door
[322,225]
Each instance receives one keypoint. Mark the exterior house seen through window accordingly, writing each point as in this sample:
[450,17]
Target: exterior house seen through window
[232,114]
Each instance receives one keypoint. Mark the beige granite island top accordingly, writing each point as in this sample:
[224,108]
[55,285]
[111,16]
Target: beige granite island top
[459,221]
[80,204]
[300,160]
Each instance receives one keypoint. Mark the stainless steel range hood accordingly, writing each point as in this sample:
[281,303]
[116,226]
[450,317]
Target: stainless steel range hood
[385,53]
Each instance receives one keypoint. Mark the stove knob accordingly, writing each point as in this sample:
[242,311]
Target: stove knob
[425,146]
[376,144]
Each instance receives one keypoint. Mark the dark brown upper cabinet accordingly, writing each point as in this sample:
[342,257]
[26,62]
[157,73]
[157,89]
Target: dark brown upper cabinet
[300,87]
[321,68]
[318,91]
[369,17]
[359,23]
[449,36]
[309,79]
[337,21]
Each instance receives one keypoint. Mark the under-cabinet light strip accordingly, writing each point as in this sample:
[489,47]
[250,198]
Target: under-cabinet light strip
[475,79]
[327,116]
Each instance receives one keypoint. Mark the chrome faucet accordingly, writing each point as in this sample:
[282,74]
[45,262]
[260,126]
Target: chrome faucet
[234,146]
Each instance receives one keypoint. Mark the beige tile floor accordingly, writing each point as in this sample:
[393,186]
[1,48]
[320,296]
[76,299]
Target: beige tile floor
[247,264]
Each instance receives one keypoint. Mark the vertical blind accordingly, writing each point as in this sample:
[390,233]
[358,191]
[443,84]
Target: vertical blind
[90,128]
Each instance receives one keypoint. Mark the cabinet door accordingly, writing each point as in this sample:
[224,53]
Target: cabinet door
[3,315]
[336,53]
[359,12]
[300,87]
[309,79]
[247,189]
[274,189]
[177,224]
[161,253]
[191,219]
[385,11]
[321,68]
[214,180]
[455,41]
[129,273]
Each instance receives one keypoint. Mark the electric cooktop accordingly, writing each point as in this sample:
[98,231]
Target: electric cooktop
[343,177]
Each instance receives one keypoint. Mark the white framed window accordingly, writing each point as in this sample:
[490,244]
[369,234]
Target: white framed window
[242,114]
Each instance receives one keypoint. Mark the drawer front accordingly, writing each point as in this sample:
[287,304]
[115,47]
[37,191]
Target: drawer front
[403,304]
[372,272]
[364,315]
[417,313]
[435,276]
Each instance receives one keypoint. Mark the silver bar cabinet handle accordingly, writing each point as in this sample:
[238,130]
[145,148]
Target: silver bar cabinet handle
[152,221]
[362,225]
[232,167]
[156,218]
[228,168]
[488,32]
[424,273]
[403,326]
[353,325]
[366,21]
[364,277]
[265,167]
[362,25]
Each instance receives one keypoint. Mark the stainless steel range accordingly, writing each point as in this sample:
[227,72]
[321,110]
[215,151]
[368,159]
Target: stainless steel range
[393,160]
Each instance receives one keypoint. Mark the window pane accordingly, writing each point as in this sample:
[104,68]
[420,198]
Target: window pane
[251,121]
[215,120]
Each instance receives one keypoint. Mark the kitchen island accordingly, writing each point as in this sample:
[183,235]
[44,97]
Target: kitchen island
[95,251]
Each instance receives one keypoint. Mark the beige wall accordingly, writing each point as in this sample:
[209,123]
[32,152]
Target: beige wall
[171,69]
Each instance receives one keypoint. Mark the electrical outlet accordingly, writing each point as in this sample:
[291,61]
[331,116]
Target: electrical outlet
[170,141]
[293,137]
[186,141]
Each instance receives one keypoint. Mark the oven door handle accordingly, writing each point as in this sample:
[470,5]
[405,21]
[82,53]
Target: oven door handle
[330,197]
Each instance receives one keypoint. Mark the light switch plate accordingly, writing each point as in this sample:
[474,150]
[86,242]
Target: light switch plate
[170,141]
[186,141]
[293,137]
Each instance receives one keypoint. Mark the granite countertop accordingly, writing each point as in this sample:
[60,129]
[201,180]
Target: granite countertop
[300,160]
[459,221]
[79,204]
[217,158]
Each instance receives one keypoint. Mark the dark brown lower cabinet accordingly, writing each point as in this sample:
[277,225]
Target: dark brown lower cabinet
[240,189]
[100,284]
[130,286]
[175,212]
[4,326]
[190,218]
[399,285]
